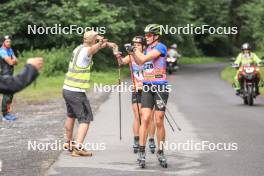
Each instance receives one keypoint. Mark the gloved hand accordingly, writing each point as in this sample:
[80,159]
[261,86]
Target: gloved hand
[36,62]
[261,64]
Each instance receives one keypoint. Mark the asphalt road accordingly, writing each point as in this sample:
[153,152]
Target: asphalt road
[219,116]
[207,110]
[38,123]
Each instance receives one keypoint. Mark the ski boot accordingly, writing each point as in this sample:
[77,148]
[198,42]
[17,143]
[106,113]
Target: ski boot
[152,145]
[136,144]
[162,159]
[142,159]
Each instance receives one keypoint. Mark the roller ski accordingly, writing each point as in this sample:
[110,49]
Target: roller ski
[162,160]
[142,159]
[152,145]
[136,145]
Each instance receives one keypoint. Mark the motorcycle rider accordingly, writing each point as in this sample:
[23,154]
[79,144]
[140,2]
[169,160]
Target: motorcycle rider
[245,57]
[172,51]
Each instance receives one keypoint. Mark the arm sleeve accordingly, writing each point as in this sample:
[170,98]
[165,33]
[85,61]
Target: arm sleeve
[238,59]
[3,54]
[10,84]
[162,49]
[256,59]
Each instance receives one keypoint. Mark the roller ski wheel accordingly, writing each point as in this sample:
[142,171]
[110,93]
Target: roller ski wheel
[142,159]
[152,146]
[162,160]
[142,164]
[152,150]
[164,164]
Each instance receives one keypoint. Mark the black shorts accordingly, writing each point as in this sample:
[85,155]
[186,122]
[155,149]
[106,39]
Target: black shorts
[152,95]
[78,106]
[136,96]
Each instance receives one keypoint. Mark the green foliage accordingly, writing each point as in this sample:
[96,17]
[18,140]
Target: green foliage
[253,15]
[56,60]
[125,19]
[82,13]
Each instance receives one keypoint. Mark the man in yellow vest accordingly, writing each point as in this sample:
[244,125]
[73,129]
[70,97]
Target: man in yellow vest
[77,81]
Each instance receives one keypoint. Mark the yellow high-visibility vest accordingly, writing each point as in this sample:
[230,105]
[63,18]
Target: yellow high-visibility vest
[78,77]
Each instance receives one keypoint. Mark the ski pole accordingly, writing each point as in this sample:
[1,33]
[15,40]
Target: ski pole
[178,127]
[115,50]
[119,96]
[169,123]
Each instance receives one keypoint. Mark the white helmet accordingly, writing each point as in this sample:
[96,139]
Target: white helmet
[174,46]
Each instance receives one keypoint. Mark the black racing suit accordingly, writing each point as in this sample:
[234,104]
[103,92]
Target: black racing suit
[12,84]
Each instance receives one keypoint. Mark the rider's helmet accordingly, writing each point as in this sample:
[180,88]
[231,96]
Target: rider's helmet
[173,46]
[153,28]
[139,39]
[245,46]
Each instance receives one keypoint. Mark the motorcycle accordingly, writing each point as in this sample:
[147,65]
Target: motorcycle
[249,76]
[172,64]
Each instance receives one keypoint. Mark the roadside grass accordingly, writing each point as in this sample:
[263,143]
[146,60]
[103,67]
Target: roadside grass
[50,87]
[260,53]
[228,74]
[201,60]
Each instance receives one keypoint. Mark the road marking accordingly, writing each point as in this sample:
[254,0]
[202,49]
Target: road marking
[1,164]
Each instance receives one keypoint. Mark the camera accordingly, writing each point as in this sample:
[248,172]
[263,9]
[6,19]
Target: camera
[129,47]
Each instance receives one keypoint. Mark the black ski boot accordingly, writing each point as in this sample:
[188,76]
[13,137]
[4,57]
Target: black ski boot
[136,144]
[152,145]
[162,159]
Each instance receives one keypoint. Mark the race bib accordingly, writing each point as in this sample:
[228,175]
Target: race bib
[148,67]
[138,74]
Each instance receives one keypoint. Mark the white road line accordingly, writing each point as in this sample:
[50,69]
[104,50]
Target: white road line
[1,164]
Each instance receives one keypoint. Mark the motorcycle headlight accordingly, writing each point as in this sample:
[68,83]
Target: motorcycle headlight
[173,59]
[249,69]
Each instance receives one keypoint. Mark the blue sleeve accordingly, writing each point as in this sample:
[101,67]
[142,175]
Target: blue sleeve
[162,49]
[11,52]
[3,54]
